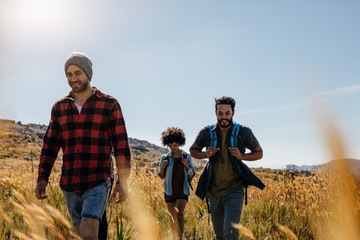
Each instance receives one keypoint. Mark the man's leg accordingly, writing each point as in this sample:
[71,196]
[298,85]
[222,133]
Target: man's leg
[233,207]
[74,206]
[217,216]
[89,228]
[93,208]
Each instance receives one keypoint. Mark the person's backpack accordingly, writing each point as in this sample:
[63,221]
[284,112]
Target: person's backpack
[233,142]
[233,137]
[184,155]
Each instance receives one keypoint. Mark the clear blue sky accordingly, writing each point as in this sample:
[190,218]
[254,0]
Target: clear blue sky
[165,61]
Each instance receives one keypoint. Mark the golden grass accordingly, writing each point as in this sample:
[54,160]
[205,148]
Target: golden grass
[287,232]
[244,230]
[318,205]
[343,205]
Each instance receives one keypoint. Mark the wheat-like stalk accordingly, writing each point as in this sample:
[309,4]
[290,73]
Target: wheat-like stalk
[171,217]
[244,230]
[21,235]
[287,231]
[28,219]
[5,217]
[143,216]
[58,215]
[19,196]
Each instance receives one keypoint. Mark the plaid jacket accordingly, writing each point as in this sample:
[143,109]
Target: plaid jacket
[86,140]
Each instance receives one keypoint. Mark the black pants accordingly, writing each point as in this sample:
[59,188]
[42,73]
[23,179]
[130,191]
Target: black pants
[103,226]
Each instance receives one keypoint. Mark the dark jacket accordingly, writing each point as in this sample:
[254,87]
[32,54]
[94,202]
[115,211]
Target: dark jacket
[244,171]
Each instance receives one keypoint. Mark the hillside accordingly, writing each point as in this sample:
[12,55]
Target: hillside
[24,141]
[353,163]
[29,137]
[18,133]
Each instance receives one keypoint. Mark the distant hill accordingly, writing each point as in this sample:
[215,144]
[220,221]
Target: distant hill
[141,146]
[354,163]
[38,130]
[293,167]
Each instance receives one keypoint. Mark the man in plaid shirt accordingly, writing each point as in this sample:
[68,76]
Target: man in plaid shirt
[87,125]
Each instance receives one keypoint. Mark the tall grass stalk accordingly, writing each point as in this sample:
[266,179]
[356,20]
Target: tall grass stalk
[343,206]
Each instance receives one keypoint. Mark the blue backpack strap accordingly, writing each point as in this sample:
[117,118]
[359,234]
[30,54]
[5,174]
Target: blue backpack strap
[213,138]
[234,135]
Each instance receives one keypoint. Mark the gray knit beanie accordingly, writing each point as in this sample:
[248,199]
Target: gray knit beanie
[81,60]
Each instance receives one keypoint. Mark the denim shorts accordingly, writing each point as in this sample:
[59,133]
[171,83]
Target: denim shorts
[89,204]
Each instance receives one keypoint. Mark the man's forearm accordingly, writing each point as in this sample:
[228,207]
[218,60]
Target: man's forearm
[197,153]
[123,167]
[253,156]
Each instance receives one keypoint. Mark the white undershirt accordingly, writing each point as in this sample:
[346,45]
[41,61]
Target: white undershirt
[79,107]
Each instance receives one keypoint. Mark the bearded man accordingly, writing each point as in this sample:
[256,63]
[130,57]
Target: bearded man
[88,125]
[225,176]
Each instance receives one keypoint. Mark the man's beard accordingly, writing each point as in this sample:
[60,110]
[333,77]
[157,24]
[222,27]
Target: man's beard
[80,88]
[224,123]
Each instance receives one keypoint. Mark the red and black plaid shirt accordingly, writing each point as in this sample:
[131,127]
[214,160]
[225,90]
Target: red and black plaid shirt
[87,140]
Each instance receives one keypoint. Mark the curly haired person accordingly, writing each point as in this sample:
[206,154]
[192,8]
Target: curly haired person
[176,168]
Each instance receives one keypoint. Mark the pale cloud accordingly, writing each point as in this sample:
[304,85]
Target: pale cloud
[305,102]
[278,109]
[258,110]
[339,91]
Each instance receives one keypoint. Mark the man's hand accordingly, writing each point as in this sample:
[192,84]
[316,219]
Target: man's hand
[40,190]
[120,192]
[235,152]
[211,151]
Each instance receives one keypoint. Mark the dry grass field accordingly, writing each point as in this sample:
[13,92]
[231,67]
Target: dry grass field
[316,205]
